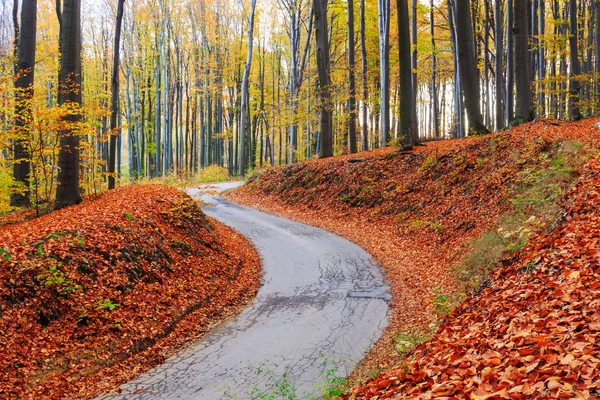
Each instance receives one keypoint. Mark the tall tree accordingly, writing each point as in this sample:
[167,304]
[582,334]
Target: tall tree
[244,117]
[351,81]
[522,67]
[365,83]
[574,84]
[434,93]
[407,104]
[69,96]
[468,66]
[24,101]
[323,71]
[114,102]
[383,8]
[499,65]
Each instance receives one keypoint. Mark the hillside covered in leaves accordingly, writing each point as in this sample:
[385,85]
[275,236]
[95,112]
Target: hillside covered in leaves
[507,224]
[94,294]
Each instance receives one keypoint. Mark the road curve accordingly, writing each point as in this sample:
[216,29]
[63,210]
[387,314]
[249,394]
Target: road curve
[323,303]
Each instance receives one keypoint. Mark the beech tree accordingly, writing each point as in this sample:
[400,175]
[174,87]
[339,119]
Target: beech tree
[114,102]
[322,42]
[468,66]
[69,96]
[24,101]
[524,104]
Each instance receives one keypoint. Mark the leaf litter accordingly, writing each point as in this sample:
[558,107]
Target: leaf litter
[531,329]
[95,294]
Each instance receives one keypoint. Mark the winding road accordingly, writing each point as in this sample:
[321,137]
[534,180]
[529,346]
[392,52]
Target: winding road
[322,305]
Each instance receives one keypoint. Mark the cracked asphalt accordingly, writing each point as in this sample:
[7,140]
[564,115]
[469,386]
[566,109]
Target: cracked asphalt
[322,305]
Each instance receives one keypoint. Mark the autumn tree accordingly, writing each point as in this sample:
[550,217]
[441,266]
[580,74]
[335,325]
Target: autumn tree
[322,42]
[24,101]
[468,66]
[69,97]
[115,95]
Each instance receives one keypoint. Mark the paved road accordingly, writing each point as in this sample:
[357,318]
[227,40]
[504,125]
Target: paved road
[322,304]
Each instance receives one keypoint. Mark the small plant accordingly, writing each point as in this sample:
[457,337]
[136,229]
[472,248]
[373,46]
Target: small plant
[438,228]
[54,276]
[5,255]
[406,342]
[345,198]
[336,385]
[129,216]
[443,303]
[106,305]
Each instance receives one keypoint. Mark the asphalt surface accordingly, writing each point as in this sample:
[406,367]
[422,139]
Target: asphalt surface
[322,305]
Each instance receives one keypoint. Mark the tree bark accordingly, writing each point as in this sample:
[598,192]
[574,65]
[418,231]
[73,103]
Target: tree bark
[69,93]
[574,84]
[365,83]
[323,70]
[499,65]
[114,102]
[523,77]
[351,81]
[384,60]
[468,67]
[243,155]
[24,102]
[407,105]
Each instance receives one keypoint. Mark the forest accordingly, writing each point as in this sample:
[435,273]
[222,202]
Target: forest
[98,94]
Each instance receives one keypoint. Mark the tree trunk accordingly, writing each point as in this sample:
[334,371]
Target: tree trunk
[114,103]
[69,92]
[510,61]
[365,83]
[24,102]
[524,106]
[322,43]
[407,105]
[499,65]
[574,84]
[243,156]
[434,95]
[384,60]
[468,67]
[351,80]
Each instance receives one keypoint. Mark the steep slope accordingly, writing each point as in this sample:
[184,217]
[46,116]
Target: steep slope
[96,293]
[424,214]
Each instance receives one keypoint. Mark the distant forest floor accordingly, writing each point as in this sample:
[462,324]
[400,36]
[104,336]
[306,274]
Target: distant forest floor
[95,294]
[490,245]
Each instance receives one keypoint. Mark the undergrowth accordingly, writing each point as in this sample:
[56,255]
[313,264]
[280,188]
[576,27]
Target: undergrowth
[536,205]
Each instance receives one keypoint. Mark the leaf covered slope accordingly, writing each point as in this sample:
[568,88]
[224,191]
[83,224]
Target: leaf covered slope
[530,330]
[97,293]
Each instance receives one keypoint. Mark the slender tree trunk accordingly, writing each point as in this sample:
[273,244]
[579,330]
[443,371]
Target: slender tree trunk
[407,105]
[510,61]
[24,102]
[114,103]
[365,82]
[322,43]
[457,121]
[384,60]
[69,91]
[468,67]
[351,80]
[499,65]
[524,108]
[542,57]
[574,84]
[243,156]
[434,94]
